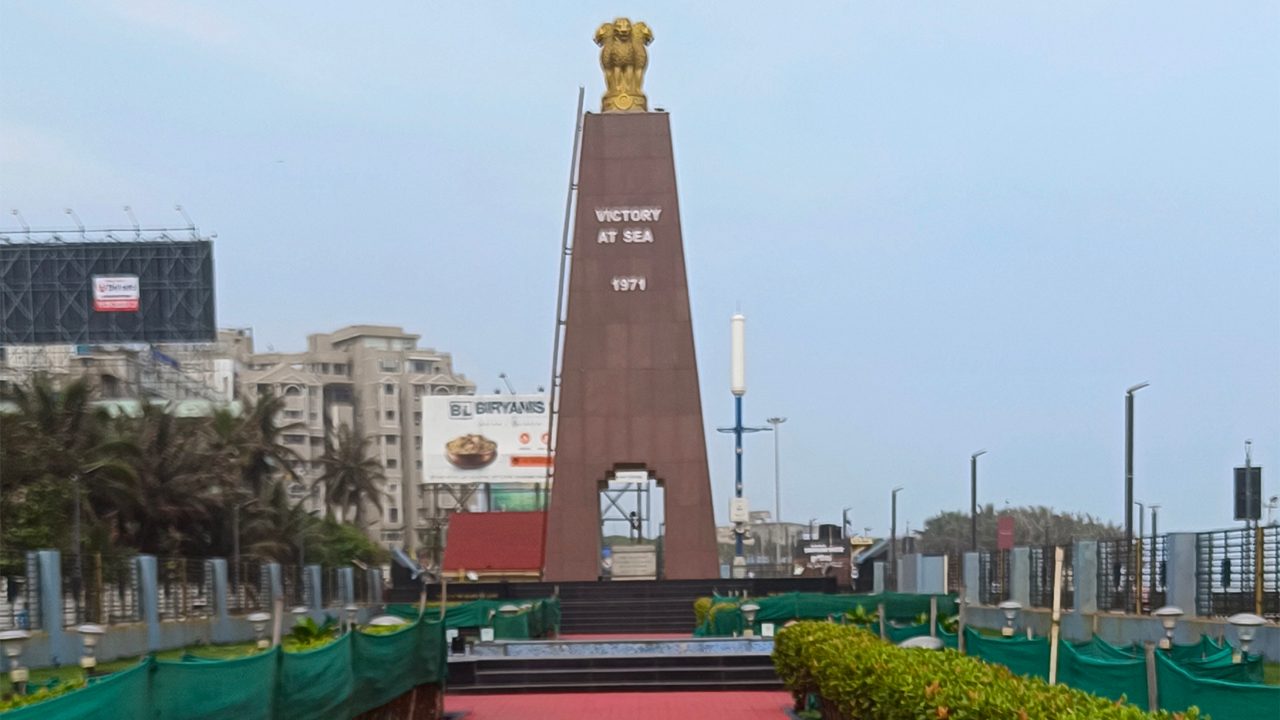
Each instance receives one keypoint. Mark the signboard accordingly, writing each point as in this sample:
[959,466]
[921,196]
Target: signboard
[115,293]
[1248,493]
[635,562]
[484,438]
[1004,532]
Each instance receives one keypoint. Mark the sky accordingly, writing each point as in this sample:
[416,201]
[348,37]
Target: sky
[951,226]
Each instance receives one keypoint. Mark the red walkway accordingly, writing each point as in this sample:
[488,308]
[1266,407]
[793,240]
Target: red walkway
[623,706]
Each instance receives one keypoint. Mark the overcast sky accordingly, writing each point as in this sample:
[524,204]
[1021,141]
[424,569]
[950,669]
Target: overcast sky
[951,226]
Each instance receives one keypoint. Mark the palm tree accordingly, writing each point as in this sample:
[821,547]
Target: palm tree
[263,454]
[176,484]
[276,527]
[352,479]
[57,451]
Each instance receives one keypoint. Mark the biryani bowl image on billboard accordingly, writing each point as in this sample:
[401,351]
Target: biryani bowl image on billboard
[485,438]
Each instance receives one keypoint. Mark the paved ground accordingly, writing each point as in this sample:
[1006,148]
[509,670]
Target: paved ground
[623,706]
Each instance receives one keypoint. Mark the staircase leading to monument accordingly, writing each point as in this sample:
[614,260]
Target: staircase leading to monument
[621,665]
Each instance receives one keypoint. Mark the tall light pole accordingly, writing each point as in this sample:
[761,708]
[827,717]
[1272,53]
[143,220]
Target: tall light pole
[973,499]
[777,469]
[1128,484]
[738,386]
[893,537]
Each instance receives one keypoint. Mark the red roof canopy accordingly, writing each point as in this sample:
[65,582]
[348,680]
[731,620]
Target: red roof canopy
[494,542]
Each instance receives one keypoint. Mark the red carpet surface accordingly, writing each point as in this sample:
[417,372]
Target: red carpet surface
[623,706]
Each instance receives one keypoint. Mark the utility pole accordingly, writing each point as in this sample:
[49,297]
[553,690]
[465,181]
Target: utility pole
[973,499]
[1128,488]
[893,538]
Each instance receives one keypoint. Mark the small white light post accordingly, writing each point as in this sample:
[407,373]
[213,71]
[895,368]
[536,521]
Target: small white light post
[1246,625]
[922,642]
[260,620]
[89,635]
[388,621]
[749,611]
[351,611]
[1168,616]
[12,641]
[1010,608]
[299,612]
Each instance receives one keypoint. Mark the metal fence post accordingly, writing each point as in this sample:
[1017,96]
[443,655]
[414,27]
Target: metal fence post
[1020,575]
[1182,565]
[52,606]
[149,598]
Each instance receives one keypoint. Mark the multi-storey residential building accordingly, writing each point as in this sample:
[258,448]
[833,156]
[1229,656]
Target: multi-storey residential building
[369,377]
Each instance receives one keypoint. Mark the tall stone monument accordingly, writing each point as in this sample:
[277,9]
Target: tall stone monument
[629,398]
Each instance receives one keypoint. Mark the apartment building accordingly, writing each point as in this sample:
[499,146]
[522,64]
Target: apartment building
[371,377]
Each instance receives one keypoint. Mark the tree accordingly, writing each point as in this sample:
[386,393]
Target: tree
[949,531]
[55,451]
[176,492]
[351,479]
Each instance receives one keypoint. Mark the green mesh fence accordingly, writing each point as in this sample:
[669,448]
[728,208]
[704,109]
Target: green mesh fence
[317,683]
[1185,674]
[354,674]
[900,608]
[125,694]
[540,619]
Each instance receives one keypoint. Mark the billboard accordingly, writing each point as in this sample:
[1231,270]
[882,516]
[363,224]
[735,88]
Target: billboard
[106,292]
[1248,493]
[485,438]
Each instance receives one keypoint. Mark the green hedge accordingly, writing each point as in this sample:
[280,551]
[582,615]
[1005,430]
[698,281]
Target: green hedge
[858,676]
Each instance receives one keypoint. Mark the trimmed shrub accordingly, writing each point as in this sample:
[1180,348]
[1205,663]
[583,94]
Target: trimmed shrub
[701,608]
[857,676]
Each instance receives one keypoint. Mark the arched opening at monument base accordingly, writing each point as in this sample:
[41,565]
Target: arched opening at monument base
[631,524]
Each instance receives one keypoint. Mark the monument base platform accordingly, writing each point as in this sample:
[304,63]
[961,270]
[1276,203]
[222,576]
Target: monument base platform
[630,607]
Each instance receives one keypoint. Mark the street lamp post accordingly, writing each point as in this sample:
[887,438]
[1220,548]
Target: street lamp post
[973,499]
[893,538]
[1128,484]
[777,469]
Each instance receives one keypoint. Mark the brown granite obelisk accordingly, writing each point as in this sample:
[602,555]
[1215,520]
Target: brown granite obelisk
[629,396]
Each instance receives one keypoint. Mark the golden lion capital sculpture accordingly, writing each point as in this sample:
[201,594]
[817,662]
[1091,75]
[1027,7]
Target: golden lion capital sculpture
[623,58]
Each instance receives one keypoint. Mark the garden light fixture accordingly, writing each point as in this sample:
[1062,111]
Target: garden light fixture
[1010,608]
[749,611]
[1246,625]
[89,635]
[12,641]
[1168,616]
[260,620]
